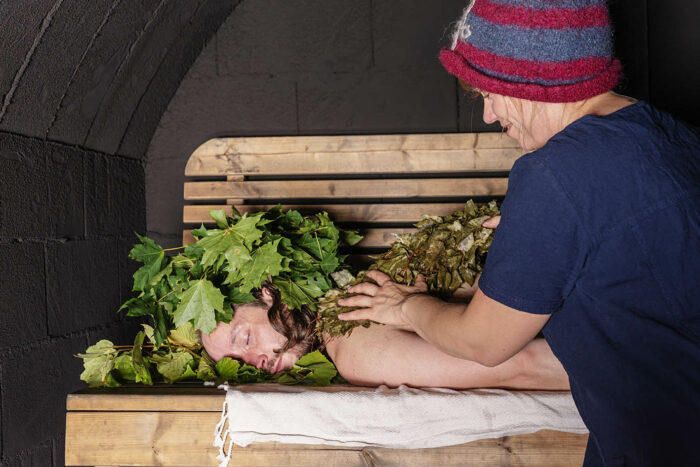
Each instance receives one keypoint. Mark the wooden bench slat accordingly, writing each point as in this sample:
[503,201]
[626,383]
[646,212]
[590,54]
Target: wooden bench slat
[368,162]
[353,143]
[185,439]
[349,189]
[196,214]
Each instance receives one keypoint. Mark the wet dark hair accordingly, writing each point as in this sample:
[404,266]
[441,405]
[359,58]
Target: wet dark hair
[298,326]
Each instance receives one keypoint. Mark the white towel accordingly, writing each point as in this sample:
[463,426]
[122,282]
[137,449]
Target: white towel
[400,418]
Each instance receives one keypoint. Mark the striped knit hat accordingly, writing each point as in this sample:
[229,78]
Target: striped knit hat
[539,50]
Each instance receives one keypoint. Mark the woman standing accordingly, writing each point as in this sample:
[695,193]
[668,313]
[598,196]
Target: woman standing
[599,242]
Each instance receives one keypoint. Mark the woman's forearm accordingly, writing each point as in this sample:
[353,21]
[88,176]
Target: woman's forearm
[442,324]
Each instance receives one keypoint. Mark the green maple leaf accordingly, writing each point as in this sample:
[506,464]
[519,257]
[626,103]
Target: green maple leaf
[152,255]
[124,368]
[174,366]
[200,303]
[296,293]
[98,362]
[219,217]
[184,336]
[266,261]
[206,369]
[227,369]
[139,365]
[237,261]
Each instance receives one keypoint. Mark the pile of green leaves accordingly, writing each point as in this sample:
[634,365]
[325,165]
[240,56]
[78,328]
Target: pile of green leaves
[448,251]
[195,289]
[181,357]
[225,265]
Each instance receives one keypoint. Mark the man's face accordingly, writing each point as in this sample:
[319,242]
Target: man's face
[250,337]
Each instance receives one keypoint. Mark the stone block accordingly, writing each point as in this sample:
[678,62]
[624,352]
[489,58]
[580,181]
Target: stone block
[377,102]
[82,284]
[98,216]
[127,195]
[410,34]
[23,197]
[273,36]
[23,294]
[40,91]
[35,382]
[127,266]
[65,191]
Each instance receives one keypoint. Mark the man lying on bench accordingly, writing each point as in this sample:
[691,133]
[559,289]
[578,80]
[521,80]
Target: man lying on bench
[267,335]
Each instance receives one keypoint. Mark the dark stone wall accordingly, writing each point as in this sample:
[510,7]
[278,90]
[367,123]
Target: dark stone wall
[83,85]
[310,67]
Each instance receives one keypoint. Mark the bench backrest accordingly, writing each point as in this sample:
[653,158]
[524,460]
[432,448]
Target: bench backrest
[381,184]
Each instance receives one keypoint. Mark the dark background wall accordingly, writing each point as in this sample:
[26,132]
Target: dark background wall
[308,67]
[96,124]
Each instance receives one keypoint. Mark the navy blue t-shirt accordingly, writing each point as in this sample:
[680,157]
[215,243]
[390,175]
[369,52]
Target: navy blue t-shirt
[601,229]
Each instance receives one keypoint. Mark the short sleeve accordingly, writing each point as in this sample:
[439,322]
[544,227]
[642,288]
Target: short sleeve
[539,246]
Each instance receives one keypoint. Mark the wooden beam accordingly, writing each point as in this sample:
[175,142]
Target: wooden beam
[368,162]
[410,212]
[350,189]
[185,439]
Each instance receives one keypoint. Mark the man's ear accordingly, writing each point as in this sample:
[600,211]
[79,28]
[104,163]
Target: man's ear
[267,297]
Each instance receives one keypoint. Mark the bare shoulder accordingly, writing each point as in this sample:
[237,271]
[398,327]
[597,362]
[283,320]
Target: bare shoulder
[385,355]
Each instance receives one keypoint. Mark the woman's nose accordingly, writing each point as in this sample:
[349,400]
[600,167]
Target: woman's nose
[489,116]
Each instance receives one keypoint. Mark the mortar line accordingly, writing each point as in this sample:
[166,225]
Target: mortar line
[110,10]
[37,40]
[132,47]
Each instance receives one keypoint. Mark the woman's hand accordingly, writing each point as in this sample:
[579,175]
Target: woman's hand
[382,302]
[492,223]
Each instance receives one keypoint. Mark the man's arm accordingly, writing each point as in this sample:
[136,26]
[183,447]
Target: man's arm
[387,355]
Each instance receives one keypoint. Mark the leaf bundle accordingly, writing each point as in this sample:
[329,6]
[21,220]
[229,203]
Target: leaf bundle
[448,251]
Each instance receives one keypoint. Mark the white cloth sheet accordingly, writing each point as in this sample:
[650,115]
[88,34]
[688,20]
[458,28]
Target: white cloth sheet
[400,418]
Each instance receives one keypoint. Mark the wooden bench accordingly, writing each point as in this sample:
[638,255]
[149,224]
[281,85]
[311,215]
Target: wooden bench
[380,184]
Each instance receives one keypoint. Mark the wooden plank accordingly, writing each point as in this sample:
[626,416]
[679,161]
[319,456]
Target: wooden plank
[368,162]
[353,143]
[185,438]
[183,397]
[373,237]
[349,189]
[410,212]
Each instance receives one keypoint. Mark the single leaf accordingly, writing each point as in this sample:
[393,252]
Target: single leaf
[174,365]
[184,336]
[140,366]
[227,369]
[98,362]
[199,303]
[266,261]
[219,217]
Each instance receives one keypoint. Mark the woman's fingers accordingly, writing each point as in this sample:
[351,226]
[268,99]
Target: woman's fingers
[364,288]
[379,277]
[492,223]
[357,300]
[420,284]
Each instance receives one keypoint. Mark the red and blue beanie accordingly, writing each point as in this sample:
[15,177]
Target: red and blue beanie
[539,50]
